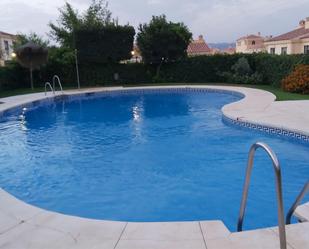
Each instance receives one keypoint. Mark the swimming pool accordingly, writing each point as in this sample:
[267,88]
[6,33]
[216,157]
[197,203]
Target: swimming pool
[145,156]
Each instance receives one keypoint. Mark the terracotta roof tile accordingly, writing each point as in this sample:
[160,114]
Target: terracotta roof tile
[295,34]
[249,37]
[304,36]
[229,50]
[198,47]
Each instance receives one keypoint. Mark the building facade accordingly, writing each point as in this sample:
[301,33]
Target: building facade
[6,47]
[198,47]
[250,44]
[293,42]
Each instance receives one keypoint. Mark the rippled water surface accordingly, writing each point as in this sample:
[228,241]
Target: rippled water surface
[145,157]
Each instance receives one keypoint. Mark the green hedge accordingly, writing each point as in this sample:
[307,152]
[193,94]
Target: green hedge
[272,68]
[12,77]
[203,69]
[104,74]
[111,43]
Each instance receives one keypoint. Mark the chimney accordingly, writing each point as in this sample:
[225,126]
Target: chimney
[307,23]
[201,38]
[302,24]
[259,33]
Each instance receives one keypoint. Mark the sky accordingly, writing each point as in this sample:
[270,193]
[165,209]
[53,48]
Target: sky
[216,20]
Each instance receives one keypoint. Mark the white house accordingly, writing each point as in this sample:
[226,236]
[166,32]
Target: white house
[6,46]
[250,44]
[293,42]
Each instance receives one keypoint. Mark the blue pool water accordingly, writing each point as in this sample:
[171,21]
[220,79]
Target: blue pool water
[145,157]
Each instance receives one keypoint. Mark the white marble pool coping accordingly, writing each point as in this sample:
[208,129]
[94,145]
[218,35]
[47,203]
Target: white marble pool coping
[26,226]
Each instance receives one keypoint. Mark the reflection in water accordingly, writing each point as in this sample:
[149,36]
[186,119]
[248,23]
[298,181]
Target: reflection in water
[22,119]
[137,123]
[136,113]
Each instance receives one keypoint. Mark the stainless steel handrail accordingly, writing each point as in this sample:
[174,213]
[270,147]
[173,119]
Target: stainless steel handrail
[296,203]
[56,77]
[276,165]
[51,88]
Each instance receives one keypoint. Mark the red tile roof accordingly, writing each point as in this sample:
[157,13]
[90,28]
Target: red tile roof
[229,50]
[249,37]
[305,36]
[198,48]
[299,33]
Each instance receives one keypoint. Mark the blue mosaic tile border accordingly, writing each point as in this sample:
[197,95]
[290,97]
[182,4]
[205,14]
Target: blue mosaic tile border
[150,90]
[51,100]
[268,129]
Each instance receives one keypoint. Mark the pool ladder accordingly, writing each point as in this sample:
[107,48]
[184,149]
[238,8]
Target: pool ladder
[298,200]
[277,170]
[52,88]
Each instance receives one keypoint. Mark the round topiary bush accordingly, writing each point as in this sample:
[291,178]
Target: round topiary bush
[298,80]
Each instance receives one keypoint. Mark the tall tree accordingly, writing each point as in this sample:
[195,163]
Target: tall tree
[163,41]
[97,15]
[70,20]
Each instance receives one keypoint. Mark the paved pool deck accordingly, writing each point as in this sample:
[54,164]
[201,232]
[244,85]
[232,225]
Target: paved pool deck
[26,226]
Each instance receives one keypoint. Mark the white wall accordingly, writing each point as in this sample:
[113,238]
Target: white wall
[6,56]
[278,46]
[295,47]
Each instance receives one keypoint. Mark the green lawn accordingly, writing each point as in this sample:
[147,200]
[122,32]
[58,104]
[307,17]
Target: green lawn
[281,95]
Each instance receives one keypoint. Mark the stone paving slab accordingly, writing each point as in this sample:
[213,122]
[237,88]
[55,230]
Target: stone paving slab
[297,235]
[257,239]
[213,230]
[150,244]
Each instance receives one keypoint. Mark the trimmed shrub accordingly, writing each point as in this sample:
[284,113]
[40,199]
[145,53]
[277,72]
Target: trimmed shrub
[242,67]
[298,80]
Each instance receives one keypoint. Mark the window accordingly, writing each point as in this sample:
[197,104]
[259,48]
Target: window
[284,50]
[272,50]
[306,49]
[6,47]
[253,43]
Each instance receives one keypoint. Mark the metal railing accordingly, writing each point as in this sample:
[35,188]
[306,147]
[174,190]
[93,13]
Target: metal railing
[56,77]
[47,84]
[276,165]
[296,203]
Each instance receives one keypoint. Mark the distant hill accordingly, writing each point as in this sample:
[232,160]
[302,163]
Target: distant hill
[222,45]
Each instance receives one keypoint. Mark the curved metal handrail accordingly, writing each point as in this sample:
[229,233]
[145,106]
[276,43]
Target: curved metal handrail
[51,88]
[276,165]
[56,77]
[296,203]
